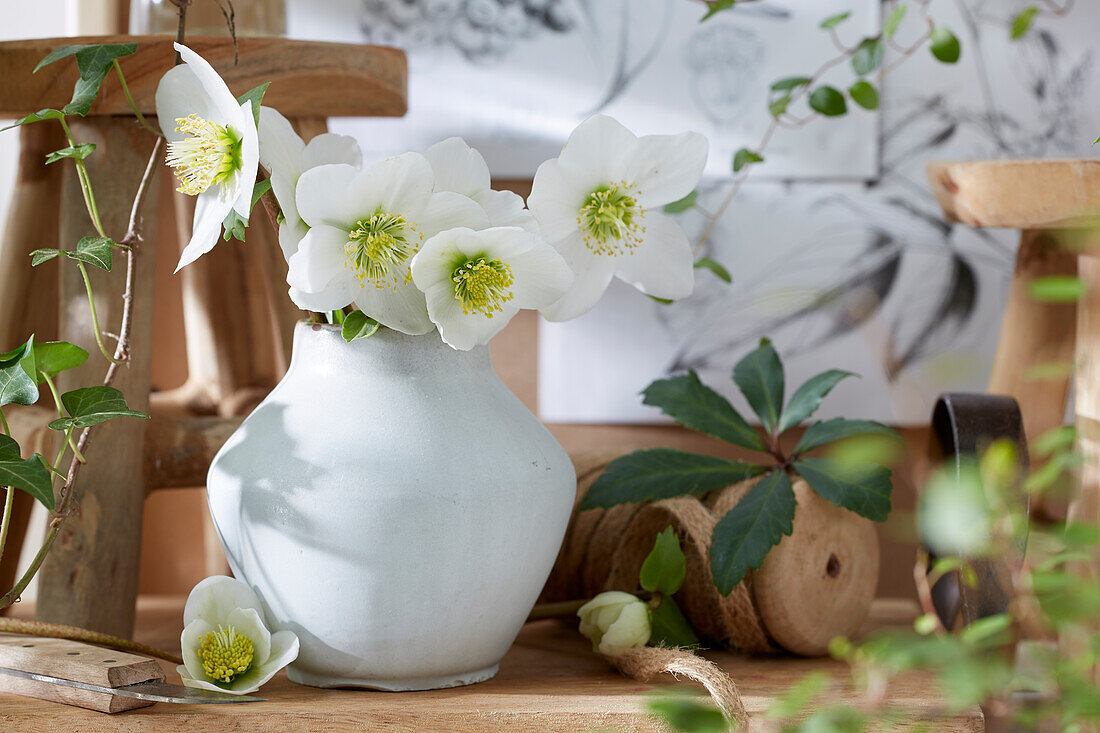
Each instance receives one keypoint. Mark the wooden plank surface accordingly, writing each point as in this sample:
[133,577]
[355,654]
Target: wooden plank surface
[1019,194]
[550,681]
[307,78]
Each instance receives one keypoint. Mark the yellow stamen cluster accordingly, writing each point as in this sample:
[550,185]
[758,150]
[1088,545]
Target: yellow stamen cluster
[482,285]
[379,245]
[226,654]
[209,155]
[611,220]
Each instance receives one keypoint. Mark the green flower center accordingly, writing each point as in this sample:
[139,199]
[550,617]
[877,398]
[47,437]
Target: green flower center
[611,220]
[209,154]
[226,654]
[379,245]
[482,285]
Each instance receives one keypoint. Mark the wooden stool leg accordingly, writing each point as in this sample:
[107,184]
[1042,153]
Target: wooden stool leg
[90,577]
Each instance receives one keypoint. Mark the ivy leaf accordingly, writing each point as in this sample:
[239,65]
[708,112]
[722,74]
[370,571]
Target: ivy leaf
[759,376]
[255,95]
[945,46]
[745,157]
[8,448]
[698,407]
[19,376]
[677,207]
[706,263]
[1021,24]
[92,405]
[29,475]
[43,255]
[778,106]
[743,538]
[807,398]
[863,489]
[868,56]
[93,62]
[834,20]
[61,52]
[864,94]
[839,428]
[94,251]
[893,23]
[790,83]
[828,101]
[53,357]
[665,567]
[234,224]
[358,325]
[717,6]
[42,114]
[669,628]
[661,473]
[79,152]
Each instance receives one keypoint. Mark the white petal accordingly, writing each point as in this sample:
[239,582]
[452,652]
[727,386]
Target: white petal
[402,310]
[663,264]
[337,294]
[433,264]
[179,94]
[458,167]
[593,274]
[214,598]
[202,684]
[555,202]
[250,161]
[210,211]
[323,195]
[506,209]
[283,188]
[228,107]
[290,237]
[399,185]
[667,167]
[319,259]
[541,277]
[246,621]
[284,650]
[280,148]
[598,151]
[328,147]
[190,641]
[460,330]
[447,210]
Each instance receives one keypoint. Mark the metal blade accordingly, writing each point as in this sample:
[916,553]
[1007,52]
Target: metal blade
[154,691]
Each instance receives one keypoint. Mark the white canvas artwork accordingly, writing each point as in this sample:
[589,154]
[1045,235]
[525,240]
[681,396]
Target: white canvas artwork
[513,77]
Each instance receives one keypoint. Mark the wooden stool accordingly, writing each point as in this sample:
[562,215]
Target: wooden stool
[1056,204]
[238,320]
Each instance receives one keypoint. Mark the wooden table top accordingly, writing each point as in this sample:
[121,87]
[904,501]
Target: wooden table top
[550,681]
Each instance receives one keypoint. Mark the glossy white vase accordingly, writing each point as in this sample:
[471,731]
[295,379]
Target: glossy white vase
[394,505]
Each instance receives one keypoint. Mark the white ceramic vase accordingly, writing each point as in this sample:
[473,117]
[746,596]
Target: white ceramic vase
[394,505]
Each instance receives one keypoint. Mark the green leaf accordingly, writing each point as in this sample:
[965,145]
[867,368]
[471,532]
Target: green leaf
[868,56]
[255,95]
[945,46]
[893,22]
[30,475]
[695,406]
[42,114]
[233,223]
[80,152]
[798,696]
[743,538]
[53,357]
[683,204]
[822,433]
[986,629]
[661,473]
[1021,24]
[864,490]
[8,447]
[669,628]
[19,376]
[43,255]
[834,20]
[790,83]
[358,325]
[778,106]
[92,405]
[759,376]
[664,568]
[61,52]
[717,6]
[745,157]
[828,101]
[94,251]
[864,94]
[706,263]
[807,398]
[1057,439]
[1057,289]
[687,714]
[93,62]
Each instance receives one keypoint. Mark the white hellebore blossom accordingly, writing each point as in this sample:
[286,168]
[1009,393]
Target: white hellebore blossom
[459,168]
[475,282]
[286,157]
[226,644]
[365,228]
[212,144]
[599,203]
[615,621]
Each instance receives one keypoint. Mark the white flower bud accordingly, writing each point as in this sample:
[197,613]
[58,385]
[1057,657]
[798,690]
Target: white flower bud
[615,622]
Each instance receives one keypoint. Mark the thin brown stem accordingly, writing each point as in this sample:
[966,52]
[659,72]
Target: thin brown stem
[560,609]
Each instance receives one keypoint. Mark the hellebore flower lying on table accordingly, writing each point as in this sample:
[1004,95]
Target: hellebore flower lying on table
[614,622]
[225,641]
